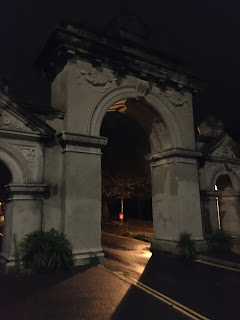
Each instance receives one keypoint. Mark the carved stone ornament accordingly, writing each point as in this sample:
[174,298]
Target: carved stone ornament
[142,88]
[28,152]
[211,127]
[97,78]
[177,99]
[224,151]
[209,169]
[9,122]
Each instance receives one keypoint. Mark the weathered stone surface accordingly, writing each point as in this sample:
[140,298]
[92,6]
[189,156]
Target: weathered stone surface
[91,74]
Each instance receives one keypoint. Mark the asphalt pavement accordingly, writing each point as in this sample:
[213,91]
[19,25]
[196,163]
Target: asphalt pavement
[134,285]
[94,293]
[210,291]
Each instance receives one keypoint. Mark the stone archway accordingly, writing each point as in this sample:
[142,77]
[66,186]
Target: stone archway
[126,177]
[6,178]
[86,82]
[17,176]
[167,153]
[228,204]
[22,197]
[157,110]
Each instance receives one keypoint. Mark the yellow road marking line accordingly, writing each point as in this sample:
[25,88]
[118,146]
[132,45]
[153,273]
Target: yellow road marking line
[171,300]
[176,305]
[217,265]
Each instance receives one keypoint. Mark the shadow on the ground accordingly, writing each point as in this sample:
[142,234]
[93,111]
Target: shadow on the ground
[41,281]
[209,291]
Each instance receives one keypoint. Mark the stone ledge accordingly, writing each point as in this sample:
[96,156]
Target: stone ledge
[67,138]
[26,191]
[173,153]
[210,193]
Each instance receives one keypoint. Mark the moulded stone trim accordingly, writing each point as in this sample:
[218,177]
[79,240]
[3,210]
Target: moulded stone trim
[26,191]
[210,194]
[74,139]
[78,44]
[28,152]
[15,119]
[183,153]
[16,163]
[216,171]
[128,92]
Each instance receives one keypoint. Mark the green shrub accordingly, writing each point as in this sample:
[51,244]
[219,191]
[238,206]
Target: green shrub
[220,242]
[186,246]
[46,252]
[58,254]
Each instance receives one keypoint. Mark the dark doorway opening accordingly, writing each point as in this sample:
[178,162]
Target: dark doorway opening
[126,176]
[5,178]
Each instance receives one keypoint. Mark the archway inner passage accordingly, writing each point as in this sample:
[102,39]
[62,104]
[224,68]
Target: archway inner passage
[228,206]
[223,183]
[5,178]
[126,176]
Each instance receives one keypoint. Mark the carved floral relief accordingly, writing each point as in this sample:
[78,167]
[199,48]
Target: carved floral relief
[224,151]
[99,79]
[174,98]
[28,152]
[9,122]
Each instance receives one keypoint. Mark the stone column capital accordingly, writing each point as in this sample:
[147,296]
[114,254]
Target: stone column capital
[210,194]
[68,138]
[81,143]
[174,155]
[26,191]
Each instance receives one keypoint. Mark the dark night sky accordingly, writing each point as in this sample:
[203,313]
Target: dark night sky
[205,34]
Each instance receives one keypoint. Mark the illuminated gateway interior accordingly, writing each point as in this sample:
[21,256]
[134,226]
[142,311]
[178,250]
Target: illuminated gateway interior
[50,159]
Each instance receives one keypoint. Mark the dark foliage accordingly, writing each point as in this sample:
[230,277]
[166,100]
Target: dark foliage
[186,246]
[220,242]
[46,252]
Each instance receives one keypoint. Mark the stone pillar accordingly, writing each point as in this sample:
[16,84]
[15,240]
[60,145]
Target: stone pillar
[209,211]
[81,195]
[23,215]
[175,199]
[230,212]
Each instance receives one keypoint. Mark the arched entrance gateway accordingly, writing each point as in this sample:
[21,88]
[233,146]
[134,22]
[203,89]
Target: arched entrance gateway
[90,74]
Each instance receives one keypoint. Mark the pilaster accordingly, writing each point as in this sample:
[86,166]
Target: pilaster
[81,194]
[209,211]
[176,198]
[23,215]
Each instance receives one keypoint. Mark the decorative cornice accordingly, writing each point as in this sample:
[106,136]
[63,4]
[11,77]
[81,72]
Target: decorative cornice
[75,139]
[15,119]
[142,88]
[230,193]
[210,194]
[68,43]
[172,153]
[26,191]
[24,136]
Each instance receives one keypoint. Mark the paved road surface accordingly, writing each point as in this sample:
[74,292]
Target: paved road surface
[97,293]
[212,292]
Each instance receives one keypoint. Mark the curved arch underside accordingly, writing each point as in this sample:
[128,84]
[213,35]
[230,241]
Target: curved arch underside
[150,121]
[149,111]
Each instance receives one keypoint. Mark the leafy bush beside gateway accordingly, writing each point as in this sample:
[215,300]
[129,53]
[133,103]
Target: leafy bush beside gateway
[43,252]
[220,242]
[186,246]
